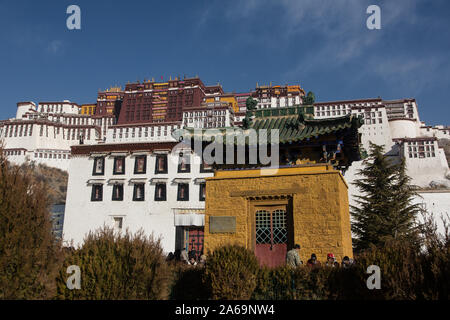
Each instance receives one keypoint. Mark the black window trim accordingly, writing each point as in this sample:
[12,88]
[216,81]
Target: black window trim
[188,164]
[94,171]
[121,194]
[186,198]
[201,187]
[135,198]
[114,167]
[164,170]
[164,197]
[203,170]
[136,164]
[93,192]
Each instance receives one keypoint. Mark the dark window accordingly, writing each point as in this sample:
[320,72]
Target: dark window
[204,167]
[161,163]
[117,194]
[184,164]
[202,194]
[139,192]
[97,192]
[183,192]
[140,164]
[119,165]
[99,166]
[160,192]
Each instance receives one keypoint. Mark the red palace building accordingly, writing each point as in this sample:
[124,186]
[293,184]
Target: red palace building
[153,102]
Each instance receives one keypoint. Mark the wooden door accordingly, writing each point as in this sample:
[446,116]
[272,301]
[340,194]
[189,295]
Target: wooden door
[195,241]
[271,235]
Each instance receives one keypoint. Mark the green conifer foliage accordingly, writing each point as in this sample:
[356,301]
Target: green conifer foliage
[384,210]
[117,266]
[231,272]
[251,103]
[29,253]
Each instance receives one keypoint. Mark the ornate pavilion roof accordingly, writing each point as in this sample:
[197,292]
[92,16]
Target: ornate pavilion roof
[294,124]
[296,129]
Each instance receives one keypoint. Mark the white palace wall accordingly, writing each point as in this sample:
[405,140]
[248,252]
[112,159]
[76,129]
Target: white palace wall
[158,217]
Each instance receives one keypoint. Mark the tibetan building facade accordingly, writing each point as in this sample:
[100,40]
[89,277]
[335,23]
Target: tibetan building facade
[158,187]
[303,199]
[139,126]
[161,186]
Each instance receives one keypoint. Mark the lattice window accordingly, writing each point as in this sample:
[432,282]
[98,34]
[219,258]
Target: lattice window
[279,226]
[263,227]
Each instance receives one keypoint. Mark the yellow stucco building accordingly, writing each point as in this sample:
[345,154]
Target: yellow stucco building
[305,204]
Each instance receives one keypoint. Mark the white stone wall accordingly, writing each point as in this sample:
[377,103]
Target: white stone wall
[280,102]
[158,217]
[48,142]
[64,107]
[47,131]
[148,133]
[382,125]
[208,118]
[432,166]
[403,129]
[436,203]
[24,108]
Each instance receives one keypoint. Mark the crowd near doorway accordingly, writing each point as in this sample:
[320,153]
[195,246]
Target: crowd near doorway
[191,239]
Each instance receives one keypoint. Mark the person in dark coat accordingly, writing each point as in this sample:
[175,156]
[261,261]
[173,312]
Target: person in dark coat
[312,262]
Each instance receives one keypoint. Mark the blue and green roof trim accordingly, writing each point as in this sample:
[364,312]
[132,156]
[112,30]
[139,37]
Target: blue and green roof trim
[297,129]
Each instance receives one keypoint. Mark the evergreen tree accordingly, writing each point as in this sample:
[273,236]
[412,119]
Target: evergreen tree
[384,209]
[404,212]
[29,253]
[251,104]
[117,266]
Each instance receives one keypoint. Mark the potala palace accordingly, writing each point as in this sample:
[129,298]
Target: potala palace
[126,168]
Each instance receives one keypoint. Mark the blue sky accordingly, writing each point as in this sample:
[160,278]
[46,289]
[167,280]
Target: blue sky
[323,45]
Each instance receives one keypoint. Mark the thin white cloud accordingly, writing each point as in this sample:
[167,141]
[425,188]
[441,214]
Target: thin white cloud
[412,74]
[343,34]
[55,47]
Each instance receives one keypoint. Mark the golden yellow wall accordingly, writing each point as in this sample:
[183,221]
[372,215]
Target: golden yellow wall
[316,194]
[229,99]
[88,109]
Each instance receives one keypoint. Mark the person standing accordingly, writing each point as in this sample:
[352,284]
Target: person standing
[293,257]
[347,262]
[184,256]
[202,261]
[192,261]
[330,260]
[313,261]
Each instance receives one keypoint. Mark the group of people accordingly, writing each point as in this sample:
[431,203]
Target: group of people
[190,258]
[293,260]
